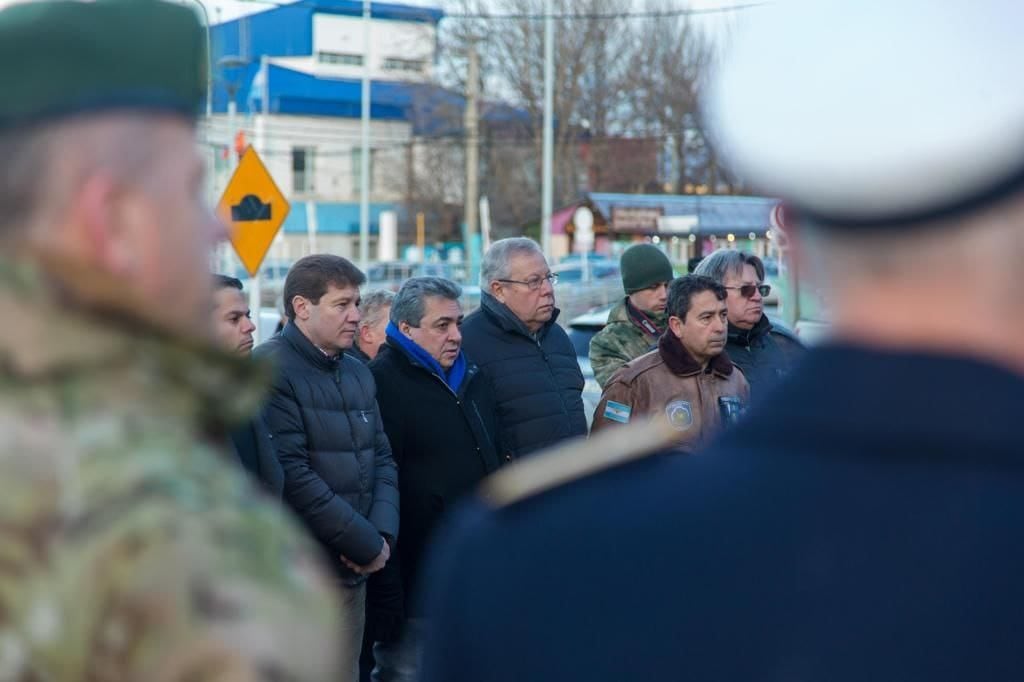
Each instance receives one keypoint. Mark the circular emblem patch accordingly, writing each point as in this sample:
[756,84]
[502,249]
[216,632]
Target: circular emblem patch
[680,414]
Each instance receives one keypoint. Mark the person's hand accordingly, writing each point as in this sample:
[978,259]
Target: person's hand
[373,566]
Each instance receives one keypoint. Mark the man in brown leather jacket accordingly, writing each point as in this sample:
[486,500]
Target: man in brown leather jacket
[689,378]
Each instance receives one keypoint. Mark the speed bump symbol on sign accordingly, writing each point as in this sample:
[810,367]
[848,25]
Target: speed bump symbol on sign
[254,209]
[250,208]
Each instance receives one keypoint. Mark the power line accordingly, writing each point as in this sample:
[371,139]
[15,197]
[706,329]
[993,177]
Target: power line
[560,16]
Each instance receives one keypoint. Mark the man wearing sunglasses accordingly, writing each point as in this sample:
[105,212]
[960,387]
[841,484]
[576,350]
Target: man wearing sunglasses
[764,352]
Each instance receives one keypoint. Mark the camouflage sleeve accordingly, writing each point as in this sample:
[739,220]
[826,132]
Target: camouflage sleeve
[606,356]
[128,568]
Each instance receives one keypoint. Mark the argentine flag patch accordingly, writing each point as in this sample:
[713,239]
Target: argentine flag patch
[617,412]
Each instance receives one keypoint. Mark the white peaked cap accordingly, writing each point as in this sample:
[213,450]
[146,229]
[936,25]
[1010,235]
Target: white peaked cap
[874,112]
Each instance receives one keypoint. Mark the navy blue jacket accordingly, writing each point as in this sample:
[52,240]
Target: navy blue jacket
[537,382]
[442,443]
[863,524]
[254,445]
[339,475]
[764,353]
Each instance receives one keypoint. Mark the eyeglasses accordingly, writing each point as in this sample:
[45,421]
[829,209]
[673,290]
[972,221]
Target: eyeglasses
[534,283]
[747,290]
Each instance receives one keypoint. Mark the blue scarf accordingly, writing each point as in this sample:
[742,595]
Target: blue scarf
[452,377]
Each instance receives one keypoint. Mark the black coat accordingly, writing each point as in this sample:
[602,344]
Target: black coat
[254,445]
[443,443]
[340,477]
[864,524]
[537,382]
[764,353]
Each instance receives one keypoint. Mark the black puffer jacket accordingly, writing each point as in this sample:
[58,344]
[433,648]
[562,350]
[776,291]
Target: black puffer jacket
[339,475]
[444,444]
[537,382]
[764,353]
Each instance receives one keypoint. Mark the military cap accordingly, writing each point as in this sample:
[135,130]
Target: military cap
[874,113]
[64,57]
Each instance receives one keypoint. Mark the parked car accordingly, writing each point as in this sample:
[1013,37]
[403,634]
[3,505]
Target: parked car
[573,272]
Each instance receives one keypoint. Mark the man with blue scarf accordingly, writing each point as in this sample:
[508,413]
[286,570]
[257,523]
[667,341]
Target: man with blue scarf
[439,416]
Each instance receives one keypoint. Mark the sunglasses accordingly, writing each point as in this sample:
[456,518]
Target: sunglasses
[747,290]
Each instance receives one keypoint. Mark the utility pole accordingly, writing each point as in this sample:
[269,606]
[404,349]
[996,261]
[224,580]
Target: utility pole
[547,188]
[255,298]
[471,124]
[364,156]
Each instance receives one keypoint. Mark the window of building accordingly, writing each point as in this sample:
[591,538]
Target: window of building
[357,170]
[340,58]
[302,169]
[395,64]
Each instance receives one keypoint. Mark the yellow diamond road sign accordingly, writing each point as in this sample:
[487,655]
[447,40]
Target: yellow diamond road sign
[254,210]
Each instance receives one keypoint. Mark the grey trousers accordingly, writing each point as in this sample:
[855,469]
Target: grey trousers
[353,620]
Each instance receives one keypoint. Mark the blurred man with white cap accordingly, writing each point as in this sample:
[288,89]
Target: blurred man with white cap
[863,524]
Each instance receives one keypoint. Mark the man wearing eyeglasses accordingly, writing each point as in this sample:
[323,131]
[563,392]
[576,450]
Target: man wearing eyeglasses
[526,356]
[763,351]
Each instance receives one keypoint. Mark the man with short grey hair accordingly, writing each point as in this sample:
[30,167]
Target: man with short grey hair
[439,416]
[374,309]
[527,357]
[763,351]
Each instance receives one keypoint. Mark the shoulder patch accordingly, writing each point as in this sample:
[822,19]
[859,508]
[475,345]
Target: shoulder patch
[575,460]
[617,412]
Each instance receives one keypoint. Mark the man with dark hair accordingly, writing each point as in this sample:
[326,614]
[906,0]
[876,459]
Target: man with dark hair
[439,416]
[340,477]
[689,379]
[133,548]
[233,328]
[764,352]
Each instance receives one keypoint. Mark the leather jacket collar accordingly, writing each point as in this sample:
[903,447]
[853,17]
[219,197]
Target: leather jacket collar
[679,360]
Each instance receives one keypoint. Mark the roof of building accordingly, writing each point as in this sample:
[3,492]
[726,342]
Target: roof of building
[716,214]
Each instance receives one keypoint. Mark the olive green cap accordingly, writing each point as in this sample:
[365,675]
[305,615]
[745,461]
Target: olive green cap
[644,265]
[64,57]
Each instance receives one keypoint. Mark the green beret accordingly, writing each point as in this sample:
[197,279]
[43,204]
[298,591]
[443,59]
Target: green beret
[65,57]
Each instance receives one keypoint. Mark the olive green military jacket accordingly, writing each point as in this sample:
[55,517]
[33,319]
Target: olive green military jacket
[131,546]
[619,342]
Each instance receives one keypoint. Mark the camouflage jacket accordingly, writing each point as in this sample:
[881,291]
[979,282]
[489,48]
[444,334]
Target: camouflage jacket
[619,342]
[131,546]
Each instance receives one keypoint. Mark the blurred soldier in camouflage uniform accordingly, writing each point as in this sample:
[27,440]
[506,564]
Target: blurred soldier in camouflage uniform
[131,548]
[635,324]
